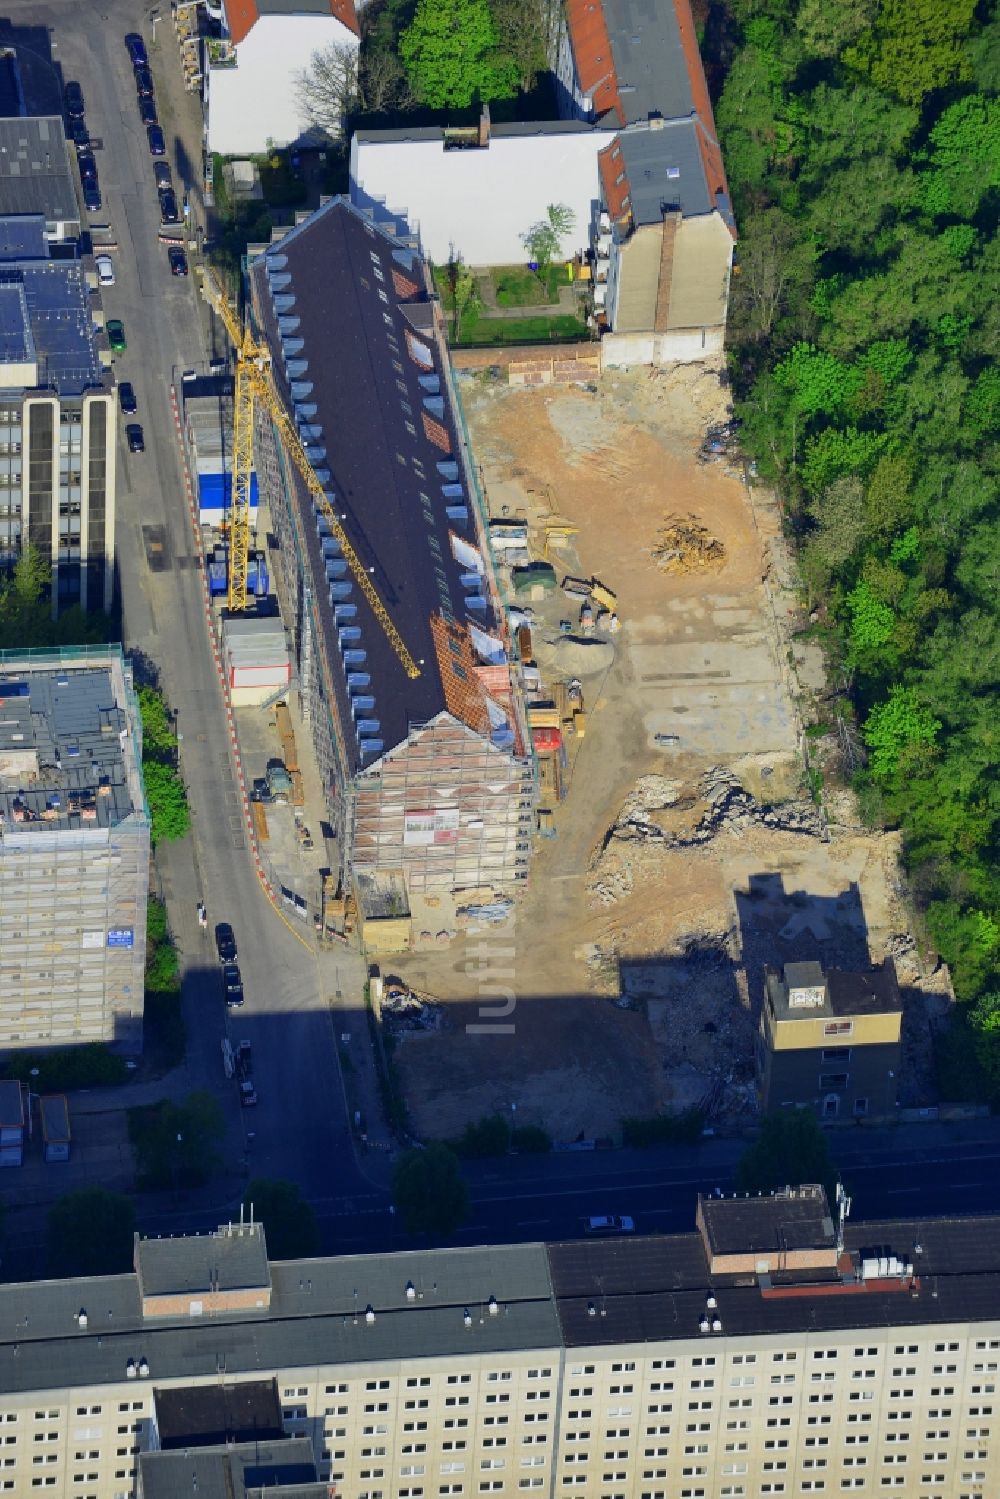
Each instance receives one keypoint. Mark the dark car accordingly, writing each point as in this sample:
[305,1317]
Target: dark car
[74,101]
[168,206]
[92,196]
[134,438]
[126,398]
[161,171]
[144,83]
[79,134]
[232,985]
[157,144]
[225,942]
[147,111]
[261,791]
[137,50]
[88,167]
[178,261]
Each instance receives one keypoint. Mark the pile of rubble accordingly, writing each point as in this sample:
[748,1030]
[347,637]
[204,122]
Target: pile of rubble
[402,1010]
[657,813]
[684,545]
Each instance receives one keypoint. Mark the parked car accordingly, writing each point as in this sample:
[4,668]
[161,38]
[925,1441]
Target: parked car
[168,206]
[261,791]
[126,398]
[137,50]
[161,171]
[244,1073]
[232,985]
[92,196]
[147,111]
[74,101]
[133,436]
[178,261]
[225,942]
[612,1224]
[105,270]
[144,83]
[88,167]
[157,144]
[116,335]
[79,134]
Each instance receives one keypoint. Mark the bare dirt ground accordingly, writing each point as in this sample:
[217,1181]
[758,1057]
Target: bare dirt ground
[635,955]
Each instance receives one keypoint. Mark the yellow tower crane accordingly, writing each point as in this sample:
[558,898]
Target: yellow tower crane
[255,381]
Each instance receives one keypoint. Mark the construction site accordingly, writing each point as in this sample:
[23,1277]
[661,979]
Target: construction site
[679,845]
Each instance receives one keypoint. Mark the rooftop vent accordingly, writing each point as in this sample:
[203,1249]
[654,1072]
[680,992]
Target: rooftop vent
[81,1319]
[143,1369]
[130,1370]
[369,1313]
[467,1317]
[411,1292]
[494,1307]
[704,1325]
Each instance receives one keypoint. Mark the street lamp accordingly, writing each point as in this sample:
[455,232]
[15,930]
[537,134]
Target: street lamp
[32,1073]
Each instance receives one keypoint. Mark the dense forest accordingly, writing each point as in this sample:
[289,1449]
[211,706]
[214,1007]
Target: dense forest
[862,143]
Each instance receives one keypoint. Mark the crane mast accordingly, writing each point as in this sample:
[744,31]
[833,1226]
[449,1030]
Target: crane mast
[255,382]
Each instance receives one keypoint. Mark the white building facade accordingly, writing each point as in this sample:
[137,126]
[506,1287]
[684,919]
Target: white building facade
[472,195]
[251,94]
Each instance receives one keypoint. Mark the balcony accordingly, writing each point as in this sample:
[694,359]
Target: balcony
[221,52]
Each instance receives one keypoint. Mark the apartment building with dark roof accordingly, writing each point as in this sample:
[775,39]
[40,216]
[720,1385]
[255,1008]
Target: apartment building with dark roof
[775,1348]
[427,778]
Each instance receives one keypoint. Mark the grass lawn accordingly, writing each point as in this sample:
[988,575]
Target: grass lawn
[516,286]
[555,328]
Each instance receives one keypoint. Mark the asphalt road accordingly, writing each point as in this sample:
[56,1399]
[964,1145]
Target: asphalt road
[528,1198]
[299,1129]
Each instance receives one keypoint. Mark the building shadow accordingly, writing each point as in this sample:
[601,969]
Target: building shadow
[776,926]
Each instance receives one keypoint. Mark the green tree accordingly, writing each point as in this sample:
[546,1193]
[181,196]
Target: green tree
[290,1225]
[168,804]
[915,46]
[826,27]
[791,1150]
[91,1233]
[165,790]
[176,1145]
[488,1136]
[450,53]
[543,241]
[897,726]
[429,1190]
[965,155]
[521,37]
[465,297]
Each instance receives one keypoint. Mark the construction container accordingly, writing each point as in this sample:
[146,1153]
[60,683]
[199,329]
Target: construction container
[546,740]
[54,1111]
[580,722]
[256,657]
[11,1123]
[603,596]
[543,715]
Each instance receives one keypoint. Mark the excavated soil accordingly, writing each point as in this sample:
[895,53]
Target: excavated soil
[686,853]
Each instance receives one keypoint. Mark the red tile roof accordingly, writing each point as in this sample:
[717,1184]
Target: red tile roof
[611,166]
[243,15]
[595,64]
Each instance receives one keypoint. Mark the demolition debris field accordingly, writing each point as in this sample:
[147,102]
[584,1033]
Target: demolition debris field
[630,955]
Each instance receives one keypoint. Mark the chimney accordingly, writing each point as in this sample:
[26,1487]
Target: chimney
[484,127]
